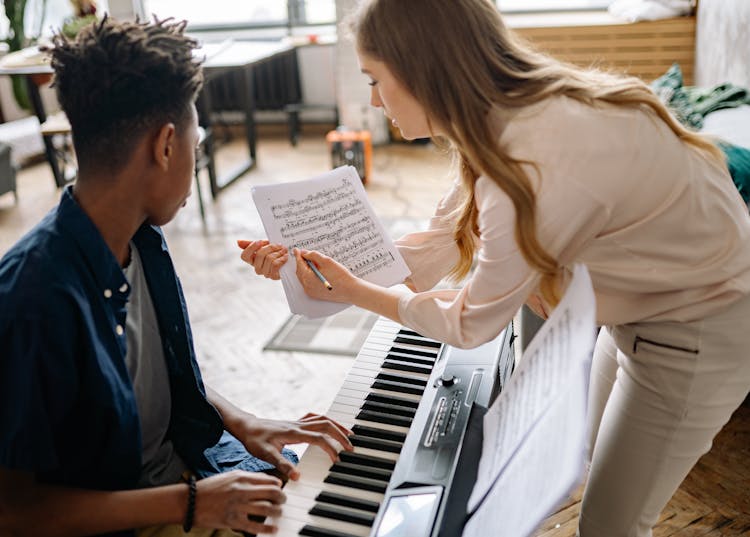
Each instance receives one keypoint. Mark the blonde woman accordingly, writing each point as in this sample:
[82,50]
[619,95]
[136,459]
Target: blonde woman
[561,166]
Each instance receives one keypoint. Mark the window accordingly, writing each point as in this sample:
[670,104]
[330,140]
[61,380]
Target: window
[551,5]
[247,13]
[55,12]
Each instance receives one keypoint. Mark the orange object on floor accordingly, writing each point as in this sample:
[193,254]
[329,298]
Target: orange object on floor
[353,148]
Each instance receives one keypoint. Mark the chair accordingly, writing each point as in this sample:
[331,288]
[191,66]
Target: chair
[7,172]
[293,121]
[57,129]
[204,159]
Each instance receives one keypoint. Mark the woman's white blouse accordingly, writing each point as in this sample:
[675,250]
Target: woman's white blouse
[661,227]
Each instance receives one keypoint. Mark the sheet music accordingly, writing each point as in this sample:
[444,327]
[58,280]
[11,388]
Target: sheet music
[533,452]
[329,213]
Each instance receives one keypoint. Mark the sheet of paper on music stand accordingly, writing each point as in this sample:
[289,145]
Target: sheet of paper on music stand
[329,213]
[533,454]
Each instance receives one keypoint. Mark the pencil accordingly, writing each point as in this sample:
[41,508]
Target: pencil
[319,275]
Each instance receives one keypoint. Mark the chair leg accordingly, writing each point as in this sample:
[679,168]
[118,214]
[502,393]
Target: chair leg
[200,195]
[293,126]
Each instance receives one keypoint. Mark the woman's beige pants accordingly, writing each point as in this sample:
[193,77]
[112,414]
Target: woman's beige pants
[659,394]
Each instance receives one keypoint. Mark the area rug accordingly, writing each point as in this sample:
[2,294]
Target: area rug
[341,334]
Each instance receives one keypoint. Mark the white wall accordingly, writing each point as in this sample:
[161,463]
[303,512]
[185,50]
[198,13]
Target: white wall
[126,9]
[722,42]
[353,93]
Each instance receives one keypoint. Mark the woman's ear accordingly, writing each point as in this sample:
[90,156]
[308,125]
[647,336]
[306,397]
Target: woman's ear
[163,147]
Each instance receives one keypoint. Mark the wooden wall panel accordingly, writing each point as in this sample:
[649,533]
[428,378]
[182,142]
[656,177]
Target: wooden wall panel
[643,49]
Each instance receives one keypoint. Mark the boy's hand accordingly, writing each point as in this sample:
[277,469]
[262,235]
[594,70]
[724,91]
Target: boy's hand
[265,438]
[227,500]
[265,257]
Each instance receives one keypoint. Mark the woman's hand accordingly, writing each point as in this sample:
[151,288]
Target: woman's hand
[265,257]
[227,500]
[265,438]
[344,284]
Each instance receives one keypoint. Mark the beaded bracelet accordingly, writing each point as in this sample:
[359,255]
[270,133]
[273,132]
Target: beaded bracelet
[187,525]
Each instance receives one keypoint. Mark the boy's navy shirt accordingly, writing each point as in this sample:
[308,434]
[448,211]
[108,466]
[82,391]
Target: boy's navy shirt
[67,407]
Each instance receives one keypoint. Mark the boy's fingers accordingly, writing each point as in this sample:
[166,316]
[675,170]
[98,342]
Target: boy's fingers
[243,243]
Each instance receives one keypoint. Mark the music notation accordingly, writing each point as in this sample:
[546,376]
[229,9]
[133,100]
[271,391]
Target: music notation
[534,434]
[331,214]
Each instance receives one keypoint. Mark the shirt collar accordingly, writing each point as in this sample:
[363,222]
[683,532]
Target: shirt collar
[91,245]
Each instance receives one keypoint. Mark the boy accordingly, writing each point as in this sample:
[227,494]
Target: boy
[102,407]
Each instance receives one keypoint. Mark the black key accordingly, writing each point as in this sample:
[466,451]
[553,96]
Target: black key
[397,387]
[343,514]
[375,432]
[380,417]
[315,531]
[374,443]
[418,342]
[348,501]
[405,366]
[367,460]
[404,357]
[361,471]
[407,332]
[392,400]
[388,409]
[355,482]
[406,379]
[413,352]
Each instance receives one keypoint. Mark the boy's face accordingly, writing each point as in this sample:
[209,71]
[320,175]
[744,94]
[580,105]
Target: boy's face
[175,185]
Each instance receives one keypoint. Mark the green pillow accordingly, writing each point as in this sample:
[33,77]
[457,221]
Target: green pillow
[690,104]
[738,162]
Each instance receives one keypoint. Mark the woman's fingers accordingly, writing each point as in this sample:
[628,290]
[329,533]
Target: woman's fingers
[269,259]
[266,258]
[249,249]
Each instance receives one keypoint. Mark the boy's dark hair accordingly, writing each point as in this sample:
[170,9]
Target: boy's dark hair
[117,80]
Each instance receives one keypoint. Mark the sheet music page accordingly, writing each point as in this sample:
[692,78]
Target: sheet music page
[329,213]
[533,452]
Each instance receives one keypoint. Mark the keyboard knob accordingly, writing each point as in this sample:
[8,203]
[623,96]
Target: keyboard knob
[447,381]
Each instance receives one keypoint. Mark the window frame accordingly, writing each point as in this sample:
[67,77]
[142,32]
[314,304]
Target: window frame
[599,5]
[296,18]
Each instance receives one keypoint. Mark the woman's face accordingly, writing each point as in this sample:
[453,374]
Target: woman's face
[397,103]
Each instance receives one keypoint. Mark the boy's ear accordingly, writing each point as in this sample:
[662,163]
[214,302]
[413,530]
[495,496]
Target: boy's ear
[163,147]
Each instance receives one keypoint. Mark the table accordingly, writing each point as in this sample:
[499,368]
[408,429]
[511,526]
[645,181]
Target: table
[220,58]
[33,74]
[243,57]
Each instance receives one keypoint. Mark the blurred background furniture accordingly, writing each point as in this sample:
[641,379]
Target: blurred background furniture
[36,76]
[237,73]
[7,171]
[204,160]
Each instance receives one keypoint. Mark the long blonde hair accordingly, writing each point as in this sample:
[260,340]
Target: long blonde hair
[458,59]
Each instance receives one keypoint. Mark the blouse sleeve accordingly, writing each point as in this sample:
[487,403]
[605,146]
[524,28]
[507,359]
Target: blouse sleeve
[502,280]
[431,254]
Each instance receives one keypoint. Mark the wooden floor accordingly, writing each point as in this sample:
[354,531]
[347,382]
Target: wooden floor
[714,499]
[234,313]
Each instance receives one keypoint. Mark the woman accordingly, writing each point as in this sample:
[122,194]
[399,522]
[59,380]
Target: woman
[561,166]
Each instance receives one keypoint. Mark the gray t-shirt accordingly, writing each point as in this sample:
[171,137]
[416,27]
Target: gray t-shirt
[161,465]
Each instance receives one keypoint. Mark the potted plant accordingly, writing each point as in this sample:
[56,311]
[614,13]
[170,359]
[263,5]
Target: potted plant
[15,11]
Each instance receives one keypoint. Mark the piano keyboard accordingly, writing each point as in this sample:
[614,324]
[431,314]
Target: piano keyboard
[390,401]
